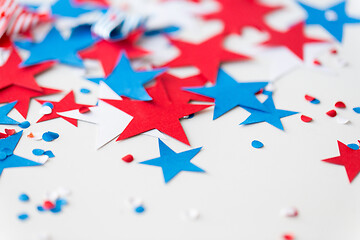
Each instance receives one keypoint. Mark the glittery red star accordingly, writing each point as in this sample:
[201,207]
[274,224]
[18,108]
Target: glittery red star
[206,56]
[66,104]
[348,158]
[294,39]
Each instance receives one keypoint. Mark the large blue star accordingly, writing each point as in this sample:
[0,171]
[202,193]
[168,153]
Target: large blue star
[10,160]
[127,82]
[55,48]
[66,8]
[173,163]
[4,110]
[272,117]
[332,18]
[229,93]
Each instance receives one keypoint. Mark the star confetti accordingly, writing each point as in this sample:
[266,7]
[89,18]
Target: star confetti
[4,110]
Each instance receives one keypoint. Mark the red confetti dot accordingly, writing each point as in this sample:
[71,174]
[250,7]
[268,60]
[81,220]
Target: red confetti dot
[334,51]
[84,110]
[306,118]
[48,205]
[309,98]
[317,62]
[31,135]
[331,113]
[288,236]
[10,131]
[340,105]
[128,158]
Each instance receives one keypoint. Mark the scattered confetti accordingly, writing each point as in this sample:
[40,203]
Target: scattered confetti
[309,98]
[85,90]
[257,144]
[49,136]
[24,197]
[23,216]
[340,105]
[84,109]
[353,146]
[38,152]
[24,124]
[289,212]
[331,113]
[306,119]
[288,236]
[357,110]
[128,158]
[139,209]
[341,120]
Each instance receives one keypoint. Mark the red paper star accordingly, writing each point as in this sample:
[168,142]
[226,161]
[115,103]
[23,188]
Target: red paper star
[23,96]
[12,74]
[238,14]
[294,39]
[348,158]
[66,104]
[206,56]
[174,88]
[108,53]
[159,114]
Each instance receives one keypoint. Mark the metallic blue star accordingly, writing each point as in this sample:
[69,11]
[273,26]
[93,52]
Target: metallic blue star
[4,111]
[229,93]
[272,117]
[173,163]
[127,82]
[7,158]
[332,18]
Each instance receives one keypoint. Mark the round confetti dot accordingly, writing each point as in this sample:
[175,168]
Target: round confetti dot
[49,136]
[47,205]
[24,124]
[85,91]
[23,216]
[306,119]
[139,209]
[257,144]
[353,146]
[340,105]
[40,208]
[357,109]
[309,98]
[48,104]
[288,236]
[3,156]
[331,113]
[38,152]
[24,197]
[128,158]
[315,101]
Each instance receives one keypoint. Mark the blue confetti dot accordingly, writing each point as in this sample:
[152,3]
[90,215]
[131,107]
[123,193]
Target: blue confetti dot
[49,154]
[40,208]
[353,146]
[24,197]
[49,104]
[38,152]
[257,144]
[315,101]
[61,202]
[24,124]
[56,209]
[139,209]
[85,91]
[3,156]
[357,109]
[23,216]
[49,136]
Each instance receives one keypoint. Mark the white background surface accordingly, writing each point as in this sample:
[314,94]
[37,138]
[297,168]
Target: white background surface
[242,191]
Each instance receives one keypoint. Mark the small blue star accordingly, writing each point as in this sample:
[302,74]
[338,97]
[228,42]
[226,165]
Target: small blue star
[10,160]
[229,93]
[4,111]
[127,82]
[272,117]
[332,18]
[55,48]
[173,163]
[66,8]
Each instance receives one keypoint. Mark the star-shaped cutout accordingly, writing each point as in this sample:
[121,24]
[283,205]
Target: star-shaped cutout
[4,111]
[332,18]
[127,82]
[23,97]
[238,14]
[206,56]
[173,163]
[228,93]
[55,48]
[12,74]
[68,8]
[294,39]
[348,158]
[160,114]
[272,116]
[8,145]
[108,52]
[66,104]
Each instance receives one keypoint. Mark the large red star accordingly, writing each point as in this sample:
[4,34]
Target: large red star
[206,56]
[294,39]
[108,53]
[174,87]
[238,14]
[23,96]
[348,158]
[66,104]
[158,113]
[12,74]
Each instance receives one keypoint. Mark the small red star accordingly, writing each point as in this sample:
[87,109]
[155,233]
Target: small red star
[108,53]
[206,56]
[348,158]
[12,74]
[66,104]
[23,96]
[238,14]
[294,39]
[158,113]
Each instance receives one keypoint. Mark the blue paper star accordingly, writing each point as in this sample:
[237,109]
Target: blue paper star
[127,82]
[272,117]
[55,48]
[10,160]
[229,93]
[173,163]
[4,111]
[332,18]
[66,8]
